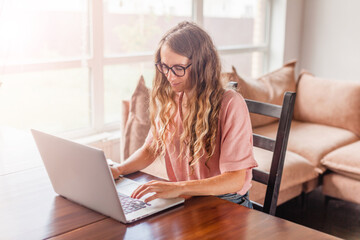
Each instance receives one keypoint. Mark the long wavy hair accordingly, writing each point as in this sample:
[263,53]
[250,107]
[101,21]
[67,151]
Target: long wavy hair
[201,123]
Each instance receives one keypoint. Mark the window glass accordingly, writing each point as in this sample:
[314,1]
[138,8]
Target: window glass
[246,64]
[45,33]
[120,82]
[53,101]
[42,30]
[134,26]
[235,22]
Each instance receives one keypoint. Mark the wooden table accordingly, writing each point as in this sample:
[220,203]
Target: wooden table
[30,209]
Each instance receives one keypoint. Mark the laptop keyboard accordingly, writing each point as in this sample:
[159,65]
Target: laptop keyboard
[130,205]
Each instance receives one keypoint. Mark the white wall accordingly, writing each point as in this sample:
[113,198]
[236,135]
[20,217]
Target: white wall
[277,34]
[293,32]
[286,32]
[330,44]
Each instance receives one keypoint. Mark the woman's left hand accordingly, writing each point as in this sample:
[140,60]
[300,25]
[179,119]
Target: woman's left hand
[160,190]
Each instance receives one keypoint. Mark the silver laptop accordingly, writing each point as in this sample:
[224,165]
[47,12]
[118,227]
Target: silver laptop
[82,175]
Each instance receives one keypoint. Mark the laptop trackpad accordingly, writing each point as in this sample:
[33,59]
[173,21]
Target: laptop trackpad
[126,186]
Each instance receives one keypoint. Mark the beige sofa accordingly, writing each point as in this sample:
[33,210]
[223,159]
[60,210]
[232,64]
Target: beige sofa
[330,110]
[324,141]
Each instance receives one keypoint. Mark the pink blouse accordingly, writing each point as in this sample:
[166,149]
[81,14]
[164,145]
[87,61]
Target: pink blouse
[233,150]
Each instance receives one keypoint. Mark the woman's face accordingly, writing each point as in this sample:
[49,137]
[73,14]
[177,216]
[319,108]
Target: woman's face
[171,59]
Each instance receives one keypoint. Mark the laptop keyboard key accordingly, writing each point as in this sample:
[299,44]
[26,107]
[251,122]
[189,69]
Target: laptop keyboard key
[130,205]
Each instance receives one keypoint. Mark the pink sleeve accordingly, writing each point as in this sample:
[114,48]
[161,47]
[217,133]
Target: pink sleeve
[236,145]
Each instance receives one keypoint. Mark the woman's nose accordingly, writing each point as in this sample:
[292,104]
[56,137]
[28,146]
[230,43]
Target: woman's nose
[170,75]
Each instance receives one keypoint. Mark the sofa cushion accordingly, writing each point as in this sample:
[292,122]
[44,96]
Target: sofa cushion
[311,185]
[344,160]
[311,141]
[333,103]
[257,193]
[342,187]
[138,123]
[269,88]
[297,170]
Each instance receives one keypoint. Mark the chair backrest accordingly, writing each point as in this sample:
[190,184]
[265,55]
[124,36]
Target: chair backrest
[278,146]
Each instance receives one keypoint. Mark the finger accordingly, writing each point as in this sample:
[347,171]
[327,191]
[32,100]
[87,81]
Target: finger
[142,190]
[151,198]
[143,187]
[138,190]
[148,189]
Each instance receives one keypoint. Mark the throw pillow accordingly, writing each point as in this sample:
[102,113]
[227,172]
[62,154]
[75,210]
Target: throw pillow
[329,102]
[135,125]
[269,88]
[125,108]
[138,122]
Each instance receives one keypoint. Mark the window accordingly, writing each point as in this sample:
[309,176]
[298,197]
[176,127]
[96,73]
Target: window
[132,29]
[67,65]
[245,41]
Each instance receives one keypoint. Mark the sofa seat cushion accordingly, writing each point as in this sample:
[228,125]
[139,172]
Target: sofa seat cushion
[341,187]
[312,141]
[345,160]
[297,170]
[257,193]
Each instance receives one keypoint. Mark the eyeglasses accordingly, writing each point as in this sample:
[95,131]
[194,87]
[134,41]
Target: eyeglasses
[178,70]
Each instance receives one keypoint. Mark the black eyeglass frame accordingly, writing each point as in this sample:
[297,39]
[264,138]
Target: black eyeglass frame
[159,68]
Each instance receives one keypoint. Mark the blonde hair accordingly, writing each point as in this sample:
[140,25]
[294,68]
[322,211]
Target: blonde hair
[201,124]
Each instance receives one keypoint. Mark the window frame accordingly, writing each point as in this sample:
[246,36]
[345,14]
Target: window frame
[97,61]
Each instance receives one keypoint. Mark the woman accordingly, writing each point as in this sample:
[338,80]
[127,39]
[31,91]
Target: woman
[203,131]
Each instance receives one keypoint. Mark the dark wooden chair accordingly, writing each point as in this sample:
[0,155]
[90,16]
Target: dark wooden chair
[278,146]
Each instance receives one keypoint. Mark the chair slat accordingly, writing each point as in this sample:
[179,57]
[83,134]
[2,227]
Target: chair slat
[267,109]
[263,142]
[260,176]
